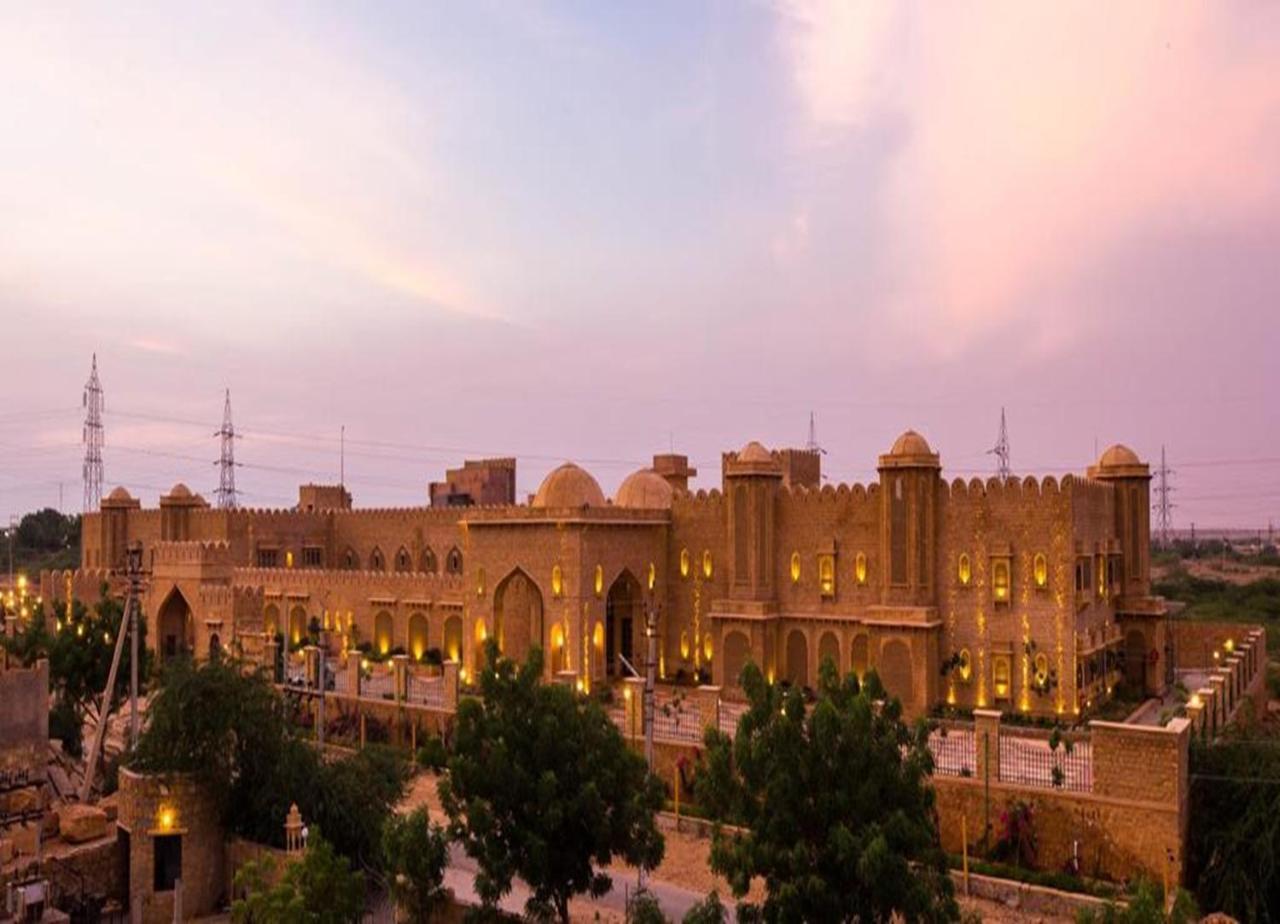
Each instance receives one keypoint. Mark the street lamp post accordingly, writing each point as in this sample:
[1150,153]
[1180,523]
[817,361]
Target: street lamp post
[650,676]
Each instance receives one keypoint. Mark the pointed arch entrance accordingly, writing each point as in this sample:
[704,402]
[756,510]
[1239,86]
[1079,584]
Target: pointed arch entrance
[177,631]
[517,615]
[623,624]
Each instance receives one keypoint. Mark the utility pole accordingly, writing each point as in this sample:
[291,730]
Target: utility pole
[130,604]
[650,676]
[91,436]
[1001,451]
[227,461]
[1164,506]
[131,613]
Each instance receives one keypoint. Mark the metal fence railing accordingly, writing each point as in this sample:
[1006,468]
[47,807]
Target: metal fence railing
[425,691]
[379,685]
[955,751]
[1030,761]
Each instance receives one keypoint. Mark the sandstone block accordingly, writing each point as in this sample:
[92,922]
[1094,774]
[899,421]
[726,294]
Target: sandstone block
[80,823]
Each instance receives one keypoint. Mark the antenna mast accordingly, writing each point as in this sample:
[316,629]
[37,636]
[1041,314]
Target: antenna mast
[227,462]
[92,439]
[1164,506]
[1001,451]
[812,444]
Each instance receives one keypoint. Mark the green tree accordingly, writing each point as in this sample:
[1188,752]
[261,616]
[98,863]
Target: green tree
[542,786]
[230,729]
[320,888]
[708,911]
[47,530]
[1233,849]
[416,852]
[834,801]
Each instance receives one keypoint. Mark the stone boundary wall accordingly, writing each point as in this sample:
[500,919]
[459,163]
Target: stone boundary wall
[1131,822]
[1238,674]
[24,718]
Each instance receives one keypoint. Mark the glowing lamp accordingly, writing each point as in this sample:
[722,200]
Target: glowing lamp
[165,818]
[706,564]
[599,580]
[557,581]
[795,567]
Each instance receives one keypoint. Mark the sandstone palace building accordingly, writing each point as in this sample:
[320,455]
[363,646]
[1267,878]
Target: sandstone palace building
[1023,595]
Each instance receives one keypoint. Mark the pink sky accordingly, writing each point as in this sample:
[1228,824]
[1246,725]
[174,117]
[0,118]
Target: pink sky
[597,233]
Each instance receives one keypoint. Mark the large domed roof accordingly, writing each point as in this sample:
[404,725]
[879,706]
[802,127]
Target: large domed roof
[569,486]
[1119,454]
[910,443]
[754,452]
[119,494]
[180,490]
[646,490]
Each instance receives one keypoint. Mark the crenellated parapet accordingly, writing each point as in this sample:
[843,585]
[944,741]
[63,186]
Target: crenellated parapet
[395,581]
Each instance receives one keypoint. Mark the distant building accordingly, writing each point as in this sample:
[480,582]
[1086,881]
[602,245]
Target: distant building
[483,482]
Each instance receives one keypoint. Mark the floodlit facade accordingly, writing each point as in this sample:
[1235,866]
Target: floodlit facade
[1025,595]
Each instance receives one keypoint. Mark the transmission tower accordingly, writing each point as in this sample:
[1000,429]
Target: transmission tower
[1001,451]
[227,462]
[92,439]
[812,443]
[1164,506]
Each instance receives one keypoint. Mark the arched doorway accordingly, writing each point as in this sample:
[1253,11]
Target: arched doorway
[383,633]
[271,620]
[623,619]
[829,650]
[1135,661]
[858,655]
[896,673]
[215,647]
[797,673]
[177,627]
[418,641]
[453,638]
[737,650]
[297,625]
[517,615]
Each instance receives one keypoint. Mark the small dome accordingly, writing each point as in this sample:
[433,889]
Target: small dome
[754,452]
[119,494]
[1119,454]
[646,490]
[180,490]
[569,486]
[910,443]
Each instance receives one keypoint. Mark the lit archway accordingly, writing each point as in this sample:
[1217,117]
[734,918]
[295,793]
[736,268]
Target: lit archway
[297,625]
[797,659]
[517,615]
[829,650]
[419,640]
[453,639]
[177,634]
[383,633]
[858,657]
[271,620]
[623,623]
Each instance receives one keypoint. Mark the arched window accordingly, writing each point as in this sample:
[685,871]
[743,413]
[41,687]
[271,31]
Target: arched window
[428,561]
[827,576]
[1041,570]
[376,561]
[860,569]
[453,563]
[706,564]
[557,581]
[403,561]
[684,563]
[795,567]
[1000,580]
[350,560]
[964,570]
